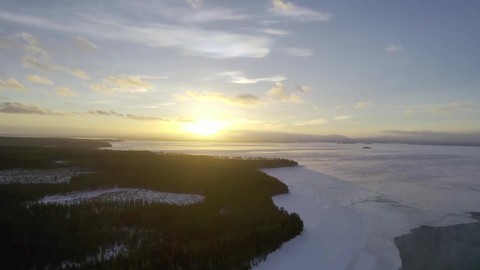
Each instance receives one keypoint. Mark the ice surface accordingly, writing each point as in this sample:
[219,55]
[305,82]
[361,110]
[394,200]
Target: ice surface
[122,195]
[354,201]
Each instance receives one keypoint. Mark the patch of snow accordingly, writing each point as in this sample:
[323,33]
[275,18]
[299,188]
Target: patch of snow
[111,252]
[40,176]
[104,254]
[122,195]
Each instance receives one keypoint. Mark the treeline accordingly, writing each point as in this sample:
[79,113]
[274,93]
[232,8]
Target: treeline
[235,224]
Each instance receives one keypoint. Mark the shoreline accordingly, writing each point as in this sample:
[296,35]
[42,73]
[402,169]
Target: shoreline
[341,235]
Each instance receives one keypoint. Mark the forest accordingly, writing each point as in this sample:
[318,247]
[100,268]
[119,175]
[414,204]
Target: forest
[235,226]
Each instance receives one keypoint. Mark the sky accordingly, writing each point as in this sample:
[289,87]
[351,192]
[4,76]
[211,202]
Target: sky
[219,69]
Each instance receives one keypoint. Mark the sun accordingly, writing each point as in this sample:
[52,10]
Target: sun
[204,127]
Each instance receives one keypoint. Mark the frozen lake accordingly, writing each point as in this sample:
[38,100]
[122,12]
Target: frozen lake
[354,201]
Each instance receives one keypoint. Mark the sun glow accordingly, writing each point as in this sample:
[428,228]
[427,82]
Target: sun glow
[205,127]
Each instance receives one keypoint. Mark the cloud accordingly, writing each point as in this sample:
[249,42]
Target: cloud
[194,3]
[291,10]
[314,122]
[84,43]
[240,78]
[76,72]
[31,62]
[144,118]
[188,39]
[129,116]
[242,99]
[39,80]
[129,82]
[11,84]
[29,38]
[278,93]
[102,112]
[394,48]
[65,92]
[151,77]
[35,50]
[123,84]
[33,45]
[342,117]
[304,88]
[275,32]
[300,52]
[363,105]
[451,107]
[209,15]
[20,108]
[38,58]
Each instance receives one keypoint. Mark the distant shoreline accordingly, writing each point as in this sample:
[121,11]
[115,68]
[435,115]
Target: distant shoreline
[274,139]
[53,142]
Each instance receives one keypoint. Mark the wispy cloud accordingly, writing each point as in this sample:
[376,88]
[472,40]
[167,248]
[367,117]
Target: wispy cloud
[313,122]
[188,39]
[84,43]
[363,105]
[241,99]
[39,80]
[342,117]
[275,32]
[75,72]
[151,77]
[209,15]
[28,38]
[11,84]
[291,10]
[129,116]
[65,92]
[123,84]
[32,46]
[304,88]
[38,58]
[20,108]
[394,48]
[279,93]
[31,62]
[194,3]
[300,52]
[36,50]
[451,108]
[240,78]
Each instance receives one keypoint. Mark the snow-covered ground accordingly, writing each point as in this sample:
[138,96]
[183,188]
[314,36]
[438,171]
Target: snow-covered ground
[122,195]
[103,254]
[354,201]
[40,176]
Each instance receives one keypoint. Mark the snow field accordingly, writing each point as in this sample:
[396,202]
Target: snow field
[122,195]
